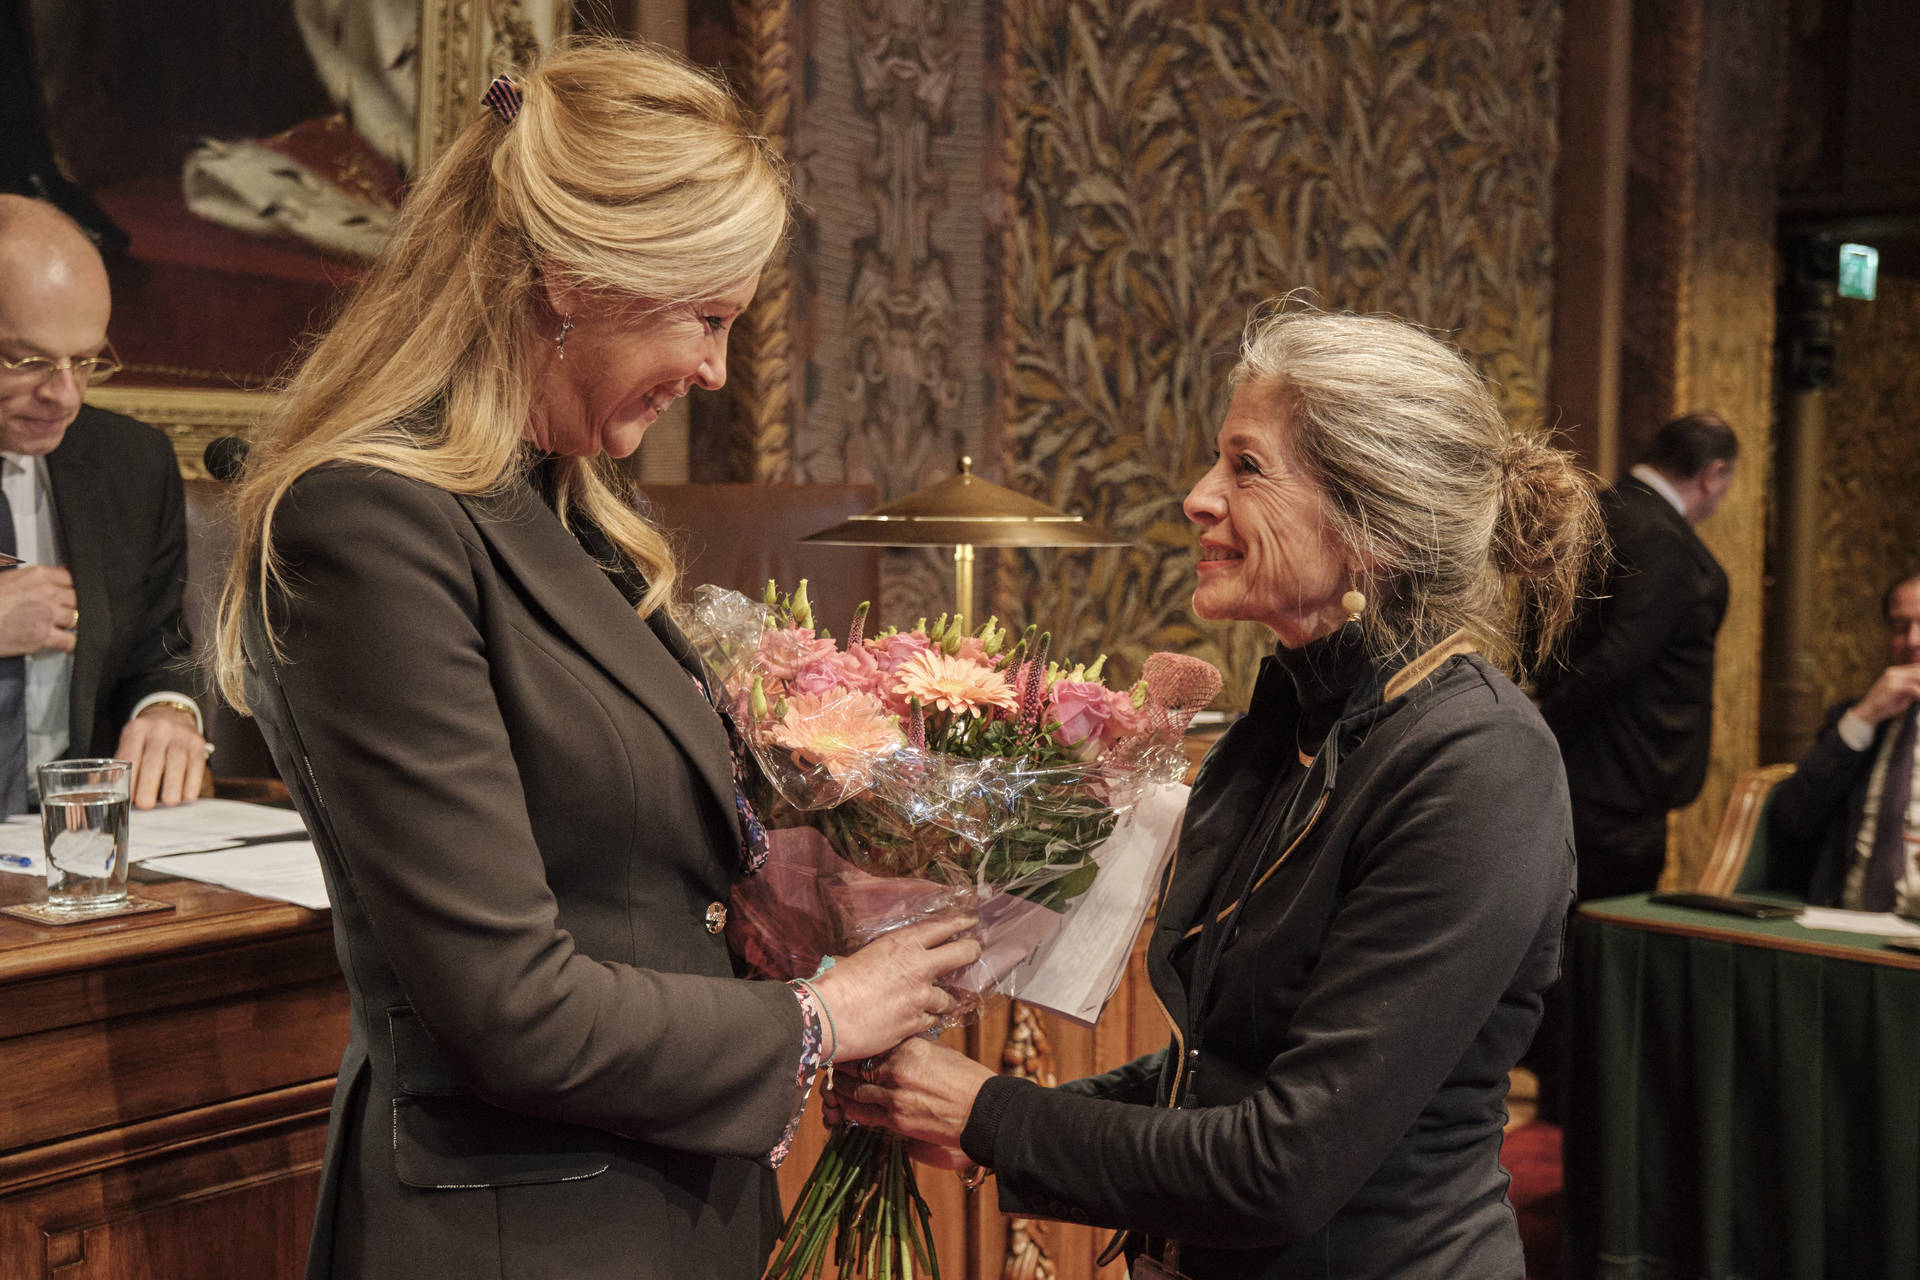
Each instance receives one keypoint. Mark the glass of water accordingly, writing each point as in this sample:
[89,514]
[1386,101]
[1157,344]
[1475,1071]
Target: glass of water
[85,806]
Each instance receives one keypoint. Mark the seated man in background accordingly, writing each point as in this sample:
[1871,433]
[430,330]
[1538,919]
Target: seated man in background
[1845,826]
[92,643]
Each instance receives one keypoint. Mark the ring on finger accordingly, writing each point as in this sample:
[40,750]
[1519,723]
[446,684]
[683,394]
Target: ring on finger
[74,623]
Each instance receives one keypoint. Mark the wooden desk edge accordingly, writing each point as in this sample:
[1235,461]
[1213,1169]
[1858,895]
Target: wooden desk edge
[27,1167]
[1721,933]
[162,937]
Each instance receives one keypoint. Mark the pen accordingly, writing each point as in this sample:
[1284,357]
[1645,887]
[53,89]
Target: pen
[15,860]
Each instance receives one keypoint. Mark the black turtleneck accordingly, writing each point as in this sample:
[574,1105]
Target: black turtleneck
[1323,676]
[1299,695]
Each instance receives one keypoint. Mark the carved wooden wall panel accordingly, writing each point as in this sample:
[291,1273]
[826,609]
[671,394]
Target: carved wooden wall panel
[1870,531]
[1170,168]
[888,315]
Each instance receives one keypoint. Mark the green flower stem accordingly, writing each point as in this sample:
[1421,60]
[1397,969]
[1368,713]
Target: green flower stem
[864,1197]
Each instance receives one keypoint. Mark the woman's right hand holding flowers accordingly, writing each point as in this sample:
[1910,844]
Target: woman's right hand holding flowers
[888,990]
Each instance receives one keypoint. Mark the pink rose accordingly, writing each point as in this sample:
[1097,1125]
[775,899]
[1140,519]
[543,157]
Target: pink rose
[1125,720]
[1082,707]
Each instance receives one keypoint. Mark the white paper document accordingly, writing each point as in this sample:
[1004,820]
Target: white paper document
[288,870]
[1882,924]
[206,824]
[21,845]
[1078,968]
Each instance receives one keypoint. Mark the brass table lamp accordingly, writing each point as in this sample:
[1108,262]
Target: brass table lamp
[966,512]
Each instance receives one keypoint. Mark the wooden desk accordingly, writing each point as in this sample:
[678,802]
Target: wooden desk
[164,1084]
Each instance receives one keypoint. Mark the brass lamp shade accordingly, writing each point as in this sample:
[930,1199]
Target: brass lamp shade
[966,512]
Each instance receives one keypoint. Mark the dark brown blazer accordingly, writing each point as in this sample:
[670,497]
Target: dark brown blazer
[523,807]
[121,517]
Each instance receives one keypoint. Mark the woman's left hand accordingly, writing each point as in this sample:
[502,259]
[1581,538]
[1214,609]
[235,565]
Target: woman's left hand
[922,1091]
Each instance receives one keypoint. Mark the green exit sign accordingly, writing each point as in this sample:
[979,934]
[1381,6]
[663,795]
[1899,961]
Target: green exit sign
[1859,269]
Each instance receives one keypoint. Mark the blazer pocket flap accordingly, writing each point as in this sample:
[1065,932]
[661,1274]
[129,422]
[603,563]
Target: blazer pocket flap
[419,1068]
[456,1143]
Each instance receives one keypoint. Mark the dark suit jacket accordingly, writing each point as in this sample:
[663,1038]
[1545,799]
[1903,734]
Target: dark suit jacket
[1346,1110]
[523,806]
[121,516]
[1632,706]
[1815,814]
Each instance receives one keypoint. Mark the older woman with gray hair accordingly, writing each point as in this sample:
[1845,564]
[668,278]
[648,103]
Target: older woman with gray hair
[1375,866]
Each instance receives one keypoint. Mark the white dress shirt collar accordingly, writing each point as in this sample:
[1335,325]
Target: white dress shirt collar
[1661,485]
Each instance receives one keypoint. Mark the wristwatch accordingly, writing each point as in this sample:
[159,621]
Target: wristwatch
[177,703]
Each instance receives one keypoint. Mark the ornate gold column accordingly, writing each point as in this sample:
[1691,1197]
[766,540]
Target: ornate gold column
[1731,53]
[1790,705]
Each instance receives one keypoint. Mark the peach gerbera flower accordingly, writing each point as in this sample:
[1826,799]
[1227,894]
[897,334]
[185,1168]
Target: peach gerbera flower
[844,731]
[954,684]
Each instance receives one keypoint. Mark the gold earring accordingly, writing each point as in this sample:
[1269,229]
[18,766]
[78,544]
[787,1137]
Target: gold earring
[560,339]
[1355,604]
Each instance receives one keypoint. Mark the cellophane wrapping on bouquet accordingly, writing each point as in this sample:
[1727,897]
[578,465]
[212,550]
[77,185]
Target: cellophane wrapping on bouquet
[907,774]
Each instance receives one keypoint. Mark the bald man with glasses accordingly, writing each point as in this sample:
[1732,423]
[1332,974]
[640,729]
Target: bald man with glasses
[93,650]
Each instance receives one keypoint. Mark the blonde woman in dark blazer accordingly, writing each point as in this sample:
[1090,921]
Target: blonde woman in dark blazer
[451,625]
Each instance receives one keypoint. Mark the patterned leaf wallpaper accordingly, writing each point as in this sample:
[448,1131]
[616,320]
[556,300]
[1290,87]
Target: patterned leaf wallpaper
[1870,526]
[1032,232]
[1168,168]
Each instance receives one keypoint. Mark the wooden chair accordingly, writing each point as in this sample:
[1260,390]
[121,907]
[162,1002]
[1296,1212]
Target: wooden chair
[1741,857]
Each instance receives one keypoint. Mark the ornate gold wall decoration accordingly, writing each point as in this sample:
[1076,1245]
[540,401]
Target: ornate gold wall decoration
[1027,1054]
[761,445]
[1172,167]
[1724,357]
[1871,524]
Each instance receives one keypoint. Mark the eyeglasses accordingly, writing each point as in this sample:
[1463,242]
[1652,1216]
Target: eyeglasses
[87,370]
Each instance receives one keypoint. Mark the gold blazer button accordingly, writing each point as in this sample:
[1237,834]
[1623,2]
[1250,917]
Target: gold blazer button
[716,917]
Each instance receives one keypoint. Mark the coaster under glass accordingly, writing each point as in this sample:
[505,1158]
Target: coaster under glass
[42,913]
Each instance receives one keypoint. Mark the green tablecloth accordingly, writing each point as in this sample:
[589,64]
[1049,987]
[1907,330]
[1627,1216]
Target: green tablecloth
[1741,1108]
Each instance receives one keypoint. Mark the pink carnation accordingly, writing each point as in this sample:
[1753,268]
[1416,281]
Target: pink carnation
[785,651]
[895,651]
[855,669]
[889,654]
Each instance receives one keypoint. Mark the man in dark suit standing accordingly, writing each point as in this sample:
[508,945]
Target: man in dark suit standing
[1632,704]
[92,644]
[1844,825]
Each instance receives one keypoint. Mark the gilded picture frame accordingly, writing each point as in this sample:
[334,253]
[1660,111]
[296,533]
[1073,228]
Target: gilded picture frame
[462,45]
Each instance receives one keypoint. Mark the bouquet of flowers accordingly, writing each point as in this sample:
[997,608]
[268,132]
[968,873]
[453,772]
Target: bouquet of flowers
[909,773]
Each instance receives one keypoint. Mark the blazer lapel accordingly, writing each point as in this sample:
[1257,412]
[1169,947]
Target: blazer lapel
[83,546]
[536,549]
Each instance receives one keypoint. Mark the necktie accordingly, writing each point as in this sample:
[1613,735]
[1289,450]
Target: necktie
[13,701]
[1889,861]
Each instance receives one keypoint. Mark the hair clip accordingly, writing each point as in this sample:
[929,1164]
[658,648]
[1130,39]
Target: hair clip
[503,98]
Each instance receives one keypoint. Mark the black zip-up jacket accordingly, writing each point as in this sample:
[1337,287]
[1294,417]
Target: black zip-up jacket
[1343,1117]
